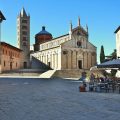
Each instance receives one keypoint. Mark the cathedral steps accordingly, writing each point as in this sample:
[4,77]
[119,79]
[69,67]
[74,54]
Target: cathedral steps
[70,73]
[64,73]
[48,74]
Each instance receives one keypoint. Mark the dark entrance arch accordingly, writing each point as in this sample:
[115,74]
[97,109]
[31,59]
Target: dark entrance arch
[80,64]
[10,65]
[25,64]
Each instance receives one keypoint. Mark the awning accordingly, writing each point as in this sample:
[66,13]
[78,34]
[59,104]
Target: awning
[110,64]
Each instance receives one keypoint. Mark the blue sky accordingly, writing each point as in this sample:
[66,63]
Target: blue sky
[101,16]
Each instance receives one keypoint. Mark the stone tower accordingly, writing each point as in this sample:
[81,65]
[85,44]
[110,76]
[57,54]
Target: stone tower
[23,36]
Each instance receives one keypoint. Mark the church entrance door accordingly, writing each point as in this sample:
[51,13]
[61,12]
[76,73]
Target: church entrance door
[80,64]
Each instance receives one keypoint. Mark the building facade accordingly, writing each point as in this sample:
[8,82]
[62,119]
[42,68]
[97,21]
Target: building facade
[10,57]
[23,36]
[117,34]
[69,51]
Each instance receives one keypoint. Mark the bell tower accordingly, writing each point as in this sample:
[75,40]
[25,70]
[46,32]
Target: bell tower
[23,36]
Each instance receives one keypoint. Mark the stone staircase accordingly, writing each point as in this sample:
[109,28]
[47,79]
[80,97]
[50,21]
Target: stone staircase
[47,74]
[22,72]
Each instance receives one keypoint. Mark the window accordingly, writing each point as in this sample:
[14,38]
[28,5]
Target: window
[65,52]
[24,39]
[24,27]
[24,21]
[24,44]
[24,33]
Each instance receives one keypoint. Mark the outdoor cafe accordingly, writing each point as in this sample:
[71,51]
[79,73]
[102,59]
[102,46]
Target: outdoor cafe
[105,83]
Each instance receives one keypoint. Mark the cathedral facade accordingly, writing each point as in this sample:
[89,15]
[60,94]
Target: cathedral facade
[69,51]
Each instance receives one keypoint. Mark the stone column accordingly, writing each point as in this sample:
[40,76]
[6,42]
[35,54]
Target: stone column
[59,60]
[93,59]
[53,60]
[89,60]
[69,60]
[43,58]
[50,60]
[56,59]
[63,60]
[74,65]
[66,60]
[85,60]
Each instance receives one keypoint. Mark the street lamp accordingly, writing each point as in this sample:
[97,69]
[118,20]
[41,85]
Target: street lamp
[1,19]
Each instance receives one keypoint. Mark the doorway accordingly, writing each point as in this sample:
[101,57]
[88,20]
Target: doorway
[10,65]
[80,64]
[25,65]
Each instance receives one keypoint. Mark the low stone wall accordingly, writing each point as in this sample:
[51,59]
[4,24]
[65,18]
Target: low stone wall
[69,73]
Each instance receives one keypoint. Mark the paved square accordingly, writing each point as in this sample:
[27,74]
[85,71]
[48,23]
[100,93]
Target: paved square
[54,99]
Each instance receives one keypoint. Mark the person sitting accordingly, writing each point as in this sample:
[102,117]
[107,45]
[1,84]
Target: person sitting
[92,78]
[83,78]
[102,79]
[83,85]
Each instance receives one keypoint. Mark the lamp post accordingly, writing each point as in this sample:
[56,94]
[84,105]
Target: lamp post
[1,19]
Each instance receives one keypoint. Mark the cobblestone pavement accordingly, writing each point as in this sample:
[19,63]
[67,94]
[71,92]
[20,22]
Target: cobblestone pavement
[54,99]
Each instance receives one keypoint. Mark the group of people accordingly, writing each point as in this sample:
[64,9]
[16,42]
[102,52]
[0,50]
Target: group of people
[83,77]
[92,80]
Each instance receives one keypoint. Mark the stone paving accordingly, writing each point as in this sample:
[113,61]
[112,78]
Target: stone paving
[54,99]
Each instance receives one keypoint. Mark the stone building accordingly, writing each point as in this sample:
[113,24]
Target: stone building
[23,36]
[117,33]
[10,57]
[66,52]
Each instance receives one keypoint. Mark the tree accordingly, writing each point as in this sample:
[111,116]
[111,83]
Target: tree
[102,55]
[113,56]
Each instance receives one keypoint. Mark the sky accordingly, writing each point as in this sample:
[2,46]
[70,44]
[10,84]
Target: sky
[101,16]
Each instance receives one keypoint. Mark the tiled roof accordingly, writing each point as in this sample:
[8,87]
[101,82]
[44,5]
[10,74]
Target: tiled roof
[13,47]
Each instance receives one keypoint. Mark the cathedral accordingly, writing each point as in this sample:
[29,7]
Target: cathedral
[70,52]
[67,52]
